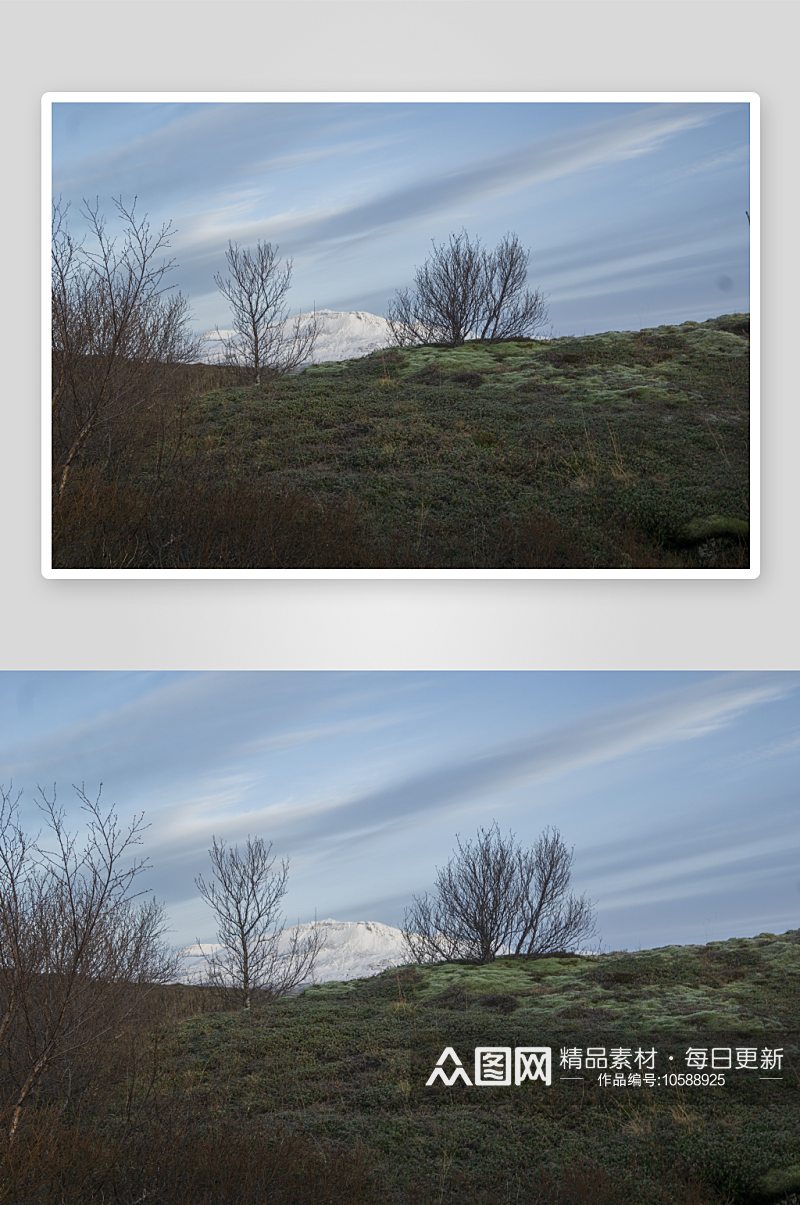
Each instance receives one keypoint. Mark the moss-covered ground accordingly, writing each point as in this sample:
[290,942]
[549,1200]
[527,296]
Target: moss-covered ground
[348,1064]
[618,450]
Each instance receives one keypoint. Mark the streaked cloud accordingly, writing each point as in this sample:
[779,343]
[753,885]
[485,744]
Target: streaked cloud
[355,192]
[669,786]
[591,740]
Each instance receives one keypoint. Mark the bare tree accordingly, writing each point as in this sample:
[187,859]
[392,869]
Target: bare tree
[117,338]
[448,293]
[78,952]
[494,897]
[246,898]
[265,341]
[465,291]
[510,311]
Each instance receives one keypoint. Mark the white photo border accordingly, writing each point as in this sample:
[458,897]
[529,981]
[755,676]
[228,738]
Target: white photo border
[750,98]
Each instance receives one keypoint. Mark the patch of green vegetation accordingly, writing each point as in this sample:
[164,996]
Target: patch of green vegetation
[350,1062]
[627,449]
[715,526]
[779,1182]
[328,366]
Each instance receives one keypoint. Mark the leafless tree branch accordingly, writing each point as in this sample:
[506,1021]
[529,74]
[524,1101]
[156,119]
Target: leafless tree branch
[116,335]
[494,897]
[265,343]
[245,895]
[464,291]
[77,951]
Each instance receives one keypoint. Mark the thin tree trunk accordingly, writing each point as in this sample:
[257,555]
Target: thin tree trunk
[36,1071]
[71,456]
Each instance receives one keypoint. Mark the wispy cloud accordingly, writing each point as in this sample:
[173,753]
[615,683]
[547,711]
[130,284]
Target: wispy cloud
[667,784]
[787,746]
[185,728]
[353,193]
[734,157]
[677,716]
[487,175]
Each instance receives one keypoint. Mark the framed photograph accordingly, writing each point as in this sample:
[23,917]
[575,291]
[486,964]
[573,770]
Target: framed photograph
[387,335]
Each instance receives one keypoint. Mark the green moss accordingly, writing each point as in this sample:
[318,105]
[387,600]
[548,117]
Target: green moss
[714,527]
[591,452]
[779,1182]
[326,368]
[347,1062]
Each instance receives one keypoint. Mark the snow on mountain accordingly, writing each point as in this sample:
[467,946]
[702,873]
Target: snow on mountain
[343,336]
[352,950]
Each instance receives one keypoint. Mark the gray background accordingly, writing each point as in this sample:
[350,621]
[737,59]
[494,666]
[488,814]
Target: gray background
[410,46]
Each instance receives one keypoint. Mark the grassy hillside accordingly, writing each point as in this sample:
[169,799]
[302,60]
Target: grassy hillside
[324,1097]
[349,1063]
[618,450]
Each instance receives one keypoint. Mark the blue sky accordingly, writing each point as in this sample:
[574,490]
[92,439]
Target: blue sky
[633,212]
[677,790]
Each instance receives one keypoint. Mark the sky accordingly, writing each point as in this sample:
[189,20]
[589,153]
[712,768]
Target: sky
[633,212]
[677,790]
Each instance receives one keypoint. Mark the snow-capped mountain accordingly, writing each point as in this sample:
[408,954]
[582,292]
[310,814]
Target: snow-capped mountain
[343,336]
[352,950]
